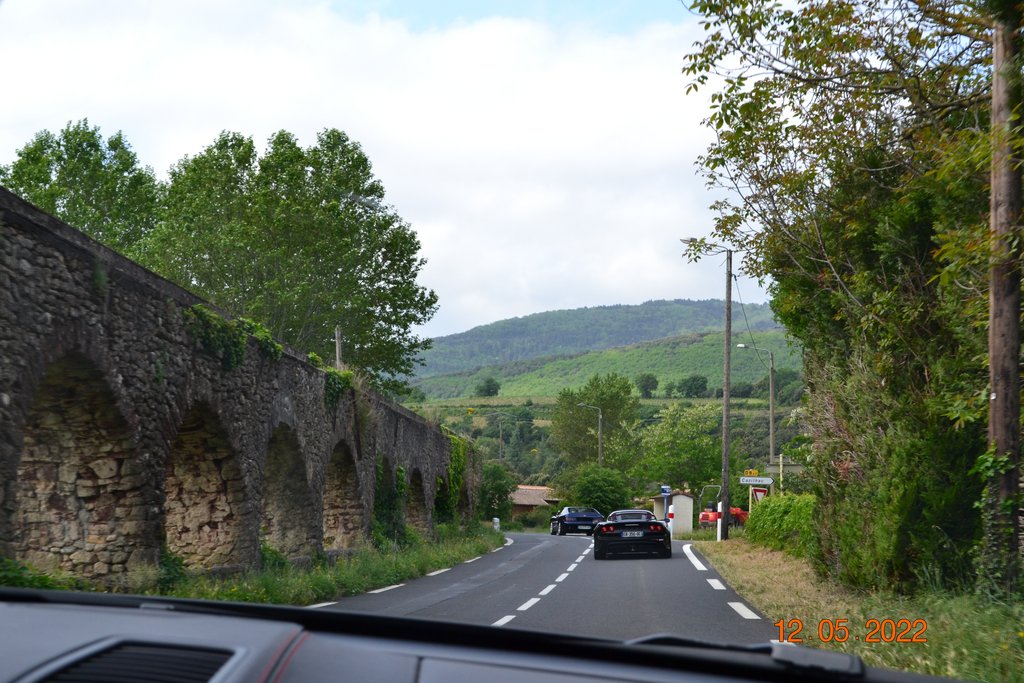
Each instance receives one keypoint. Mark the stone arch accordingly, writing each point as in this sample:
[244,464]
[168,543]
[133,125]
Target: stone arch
[205,503]
[344,515]
[289,521]
[417,514]
[81,488]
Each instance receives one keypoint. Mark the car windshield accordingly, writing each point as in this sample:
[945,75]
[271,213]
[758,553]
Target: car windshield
[381,308]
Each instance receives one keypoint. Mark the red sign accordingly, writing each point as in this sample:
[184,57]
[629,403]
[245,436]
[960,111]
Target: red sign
[759,494]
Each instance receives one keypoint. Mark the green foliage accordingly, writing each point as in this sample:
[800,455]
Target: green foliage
[784,522]
[574,428]
[449,491]
[862,196]
[171,570]
[219,337]
[336,383]
[94,185]
[683,448]
[488,387]
[646,384]
[387,527]
[264,341]
[272,559]
[17,575]
[300,240]
[601,488]
[496,490]
[315,360]
[693,386]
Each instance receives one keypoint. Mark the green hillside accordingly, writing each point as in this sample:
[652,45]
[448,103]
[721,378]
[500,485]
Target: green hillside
[572,332]
[670,360]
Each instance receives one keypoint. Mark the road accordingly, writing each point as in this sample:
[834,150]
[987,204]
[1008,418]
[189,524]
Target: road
[553,584]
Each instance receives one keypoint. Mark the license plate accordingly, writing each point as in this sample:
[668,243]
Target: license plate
[584,526]
[632,534]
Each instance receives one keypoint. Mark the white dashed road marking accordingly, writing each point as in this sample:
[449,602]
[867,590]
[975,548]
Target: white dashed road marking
[716,584]
[504,620]
[571,567]
[387,588]
[562,578]
[322,604]
[439,571]
[693,558]
[548,589]
[528,604]
[743,610]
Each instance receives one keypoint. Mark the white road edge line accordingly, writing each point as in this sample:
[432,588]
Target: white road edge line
[693,558]
[528,604]
[588,549]
[743,610]
[571,567]
[504,620]
[473,560]
[387,588]
[439,571]
[562,578]
[581,558]
[716,584]
[322,604]
[548,589]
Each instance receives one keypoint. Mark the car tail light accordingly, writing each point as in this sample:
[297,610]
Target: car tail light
[607,529]
[655,527]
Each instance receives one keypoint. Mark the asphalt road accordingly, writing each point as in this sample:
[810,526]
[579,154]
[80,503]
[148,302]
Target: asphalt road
[553,584]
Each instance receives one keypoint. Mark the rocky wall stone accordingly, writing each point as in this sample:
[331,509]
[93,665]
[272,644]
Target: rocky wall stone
[120,435]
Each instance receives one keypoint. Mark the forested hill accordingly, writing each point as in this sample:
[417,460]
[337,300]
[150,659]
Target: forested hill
[556,333]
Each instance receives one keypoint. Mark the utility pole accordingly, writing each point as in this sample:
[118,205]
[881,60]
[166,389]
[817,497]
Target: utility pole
[1000,552]
[723,532]
[337,347]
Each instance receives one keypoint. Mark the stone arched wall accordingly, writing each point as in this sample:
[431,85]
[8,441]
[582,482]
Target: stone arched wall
[288,520]
[154,410]
[344,510]
[417,512]
[81,501]
[205,499]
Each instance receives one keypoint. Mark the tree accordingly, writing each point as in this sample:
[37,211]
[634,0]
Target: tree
[299,240]
[646,383]
[94,185]
[495,491]
[488,387]
[601,488]
[854,139]
[574,427]
[693,386]
[683,447]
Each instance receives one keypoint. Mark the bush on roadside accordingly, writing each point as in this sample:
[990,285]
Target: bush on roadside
[784,522]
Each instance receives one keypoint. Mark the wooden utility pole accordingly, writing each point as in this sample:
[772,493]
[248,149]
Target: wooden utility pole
[1001,543]
[724,535]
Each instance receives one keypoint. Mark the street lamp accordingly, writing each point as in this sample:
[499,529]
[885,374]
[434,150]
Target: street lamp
[600,441]
[696,247]
[771,404]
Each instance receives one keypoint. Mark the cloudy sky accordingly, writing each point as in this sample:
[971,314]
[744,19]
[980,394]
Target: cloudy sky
[543,150]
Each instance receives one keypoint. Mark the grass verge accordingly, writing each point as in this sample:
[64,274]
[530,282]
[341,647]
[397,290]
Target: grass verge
[968,637]
[365,569]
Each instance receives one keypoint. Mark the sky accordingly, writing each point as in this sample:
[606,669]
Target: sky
[542,150]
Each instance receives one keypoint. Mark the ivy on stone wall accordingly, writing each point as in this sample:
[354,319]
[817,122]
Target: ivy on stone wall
[226,339]
[266,343]
[446,502]
[335,384]
[387,528]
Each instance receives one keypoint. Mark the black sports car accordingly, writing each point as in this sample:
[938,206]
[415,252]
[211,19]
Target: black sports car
[632,531]
[574,520]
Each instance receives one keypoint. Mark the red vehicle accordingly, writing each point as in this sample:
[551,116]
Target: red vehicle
[709,517]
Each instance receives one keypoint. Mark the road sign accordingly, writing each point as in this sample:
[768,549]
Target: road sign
[666,490]
[758,493]
[757,481]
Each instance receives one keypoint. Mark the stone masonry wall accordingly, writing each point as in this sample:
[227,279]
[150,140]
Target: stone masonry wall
[120,435]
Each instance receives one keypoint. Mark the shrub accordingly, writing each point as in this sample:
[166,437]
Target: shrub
[784,522]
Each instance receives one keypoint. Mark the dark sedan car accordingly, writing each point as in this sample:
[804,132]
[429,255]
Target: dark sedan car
[575,520]
[631,531]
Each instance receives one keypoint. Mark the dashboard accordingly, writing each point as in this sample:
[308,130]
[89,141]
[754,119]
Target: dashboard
[56,636]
